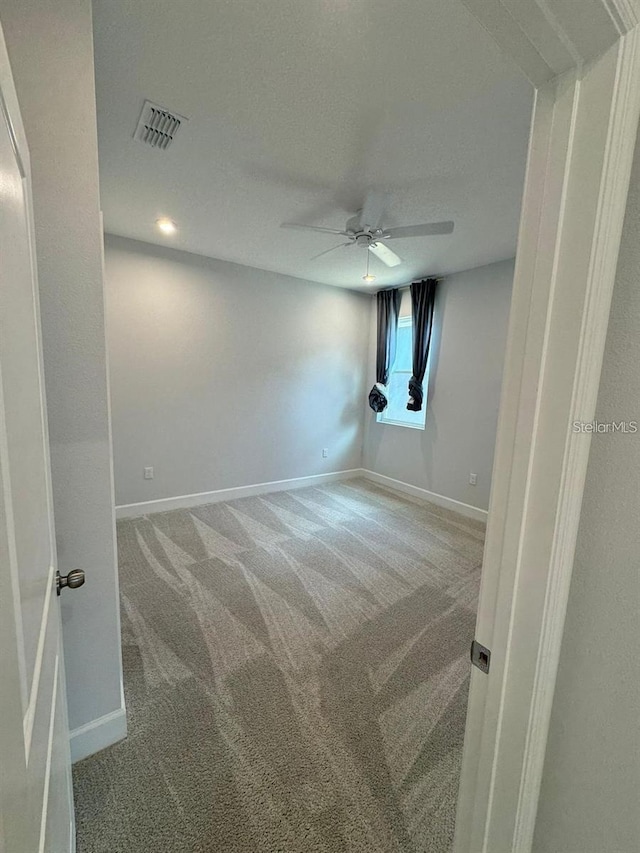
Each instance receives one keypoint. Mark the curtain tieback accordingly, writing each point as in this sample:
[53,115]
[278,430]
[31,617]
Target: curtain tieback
[378,397]
[415,395]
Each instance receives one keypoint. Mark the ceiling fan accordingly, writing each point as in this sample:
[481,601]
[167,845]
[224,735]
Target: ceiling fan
[365,230]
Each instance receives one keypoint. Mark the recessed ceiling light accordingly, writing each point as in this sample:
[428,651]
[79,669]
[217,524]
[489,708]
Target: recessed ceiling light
[368,277]
[167,226]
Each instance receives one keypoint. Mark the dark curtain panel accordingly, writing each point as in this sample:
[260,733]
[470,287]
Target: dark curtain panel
[423,295]
[388,308]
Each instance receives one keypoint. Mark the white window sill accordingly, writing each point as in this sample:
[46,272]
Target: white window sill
[400,423]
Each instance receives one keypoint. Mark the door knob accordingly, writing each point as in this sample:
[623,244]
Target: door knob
[73,580]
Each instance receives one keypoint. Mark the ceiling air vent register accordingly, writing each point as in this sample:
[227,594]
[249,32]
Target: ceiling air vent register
[158,126]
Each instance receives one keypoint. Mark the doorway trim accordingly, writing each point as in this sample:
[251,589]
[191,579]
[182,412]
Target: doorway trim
[584,61]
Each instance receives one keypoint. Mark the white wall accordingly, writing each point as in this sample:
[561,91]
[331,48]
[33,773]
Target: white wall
[51,51]
[224,375]
[591,783]
[467,355]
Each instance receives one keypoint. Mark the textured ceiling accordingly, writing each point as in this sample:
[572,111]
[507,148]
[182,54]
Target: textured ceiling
[296,108]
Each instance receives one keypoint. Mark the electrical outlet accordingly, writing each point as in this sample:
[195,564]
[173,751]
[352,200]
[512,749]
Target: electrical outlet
[325,452]
[148,473]
[473,478]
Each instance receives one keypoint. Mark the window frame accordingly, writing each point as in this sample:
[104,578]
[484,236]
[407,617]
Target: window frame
[403,322]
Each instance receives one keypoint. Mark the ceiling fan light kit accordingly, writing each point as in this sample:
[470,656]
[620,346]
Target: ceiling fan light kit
[366,231]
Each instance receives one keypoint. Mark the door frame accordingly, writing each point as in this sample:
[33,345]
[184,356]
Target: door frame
[583,60]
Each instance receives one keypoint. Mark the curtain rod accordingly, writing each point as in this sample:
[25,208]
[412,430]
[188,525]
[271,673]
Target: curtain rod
[407,286]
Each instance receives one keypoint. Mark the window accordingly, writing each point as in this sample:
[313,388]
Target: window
[398,393]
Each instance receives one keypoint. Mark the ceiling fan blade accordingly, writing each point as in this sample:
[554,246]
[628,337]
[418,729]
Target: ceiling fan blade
[332,249]
[428,230]
[373,208]
[313,228]
[385,254]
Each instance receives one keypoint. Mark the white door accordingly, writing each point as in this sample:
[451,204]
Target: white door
[36,811]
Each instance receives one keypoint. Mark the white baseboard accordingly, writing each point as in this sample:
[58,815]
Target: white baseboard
[432,497]
[98,734]
[185,501]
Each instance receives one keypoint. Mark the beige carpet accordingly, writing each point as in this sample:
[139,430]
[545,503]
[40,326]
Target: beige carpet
[296,672]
